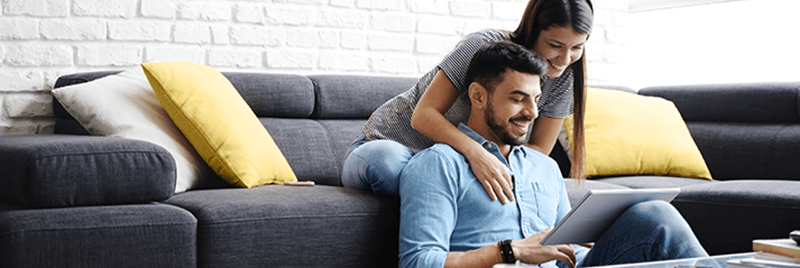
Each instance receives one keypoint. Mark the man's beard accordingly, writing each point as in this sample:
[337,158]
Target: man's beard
[497,126]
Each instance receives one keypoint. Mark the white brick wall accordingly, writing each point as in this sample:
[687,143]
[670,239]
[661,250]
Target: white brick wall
[42,39]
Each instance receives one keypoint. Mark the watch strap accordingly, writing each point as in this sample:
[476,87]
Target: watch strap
[506,252]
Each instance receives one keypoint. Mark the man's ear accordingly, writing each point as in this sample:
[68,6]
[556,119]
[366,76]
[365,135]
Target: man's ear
[478,95]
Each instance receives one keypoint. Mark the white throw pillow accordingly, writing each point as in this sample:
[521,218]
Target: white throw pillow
[125,106]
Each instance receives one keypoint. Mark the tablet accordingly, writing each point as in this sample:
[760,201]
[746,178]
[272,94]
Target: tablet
[597,210]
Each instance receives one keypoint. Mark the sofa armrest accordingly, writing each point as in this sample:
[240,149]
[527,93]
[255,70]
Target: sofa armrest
[63,170]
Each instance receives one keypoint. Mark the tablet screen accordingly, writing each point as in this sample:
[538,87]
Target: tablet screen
[597,210]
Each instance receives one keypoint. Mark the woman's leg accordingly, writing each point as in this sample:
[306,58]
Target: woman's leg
[648,231]
[376,165]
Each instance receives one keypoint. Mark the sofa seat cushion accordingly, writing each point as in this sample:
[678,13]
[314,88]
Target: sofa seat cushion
[641,182]
[146,235]
[293,226]
[726,216]
[41,171]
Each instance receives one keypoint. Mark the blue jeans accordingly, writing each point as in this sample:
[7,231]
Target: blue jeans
[648,231]
[375,165]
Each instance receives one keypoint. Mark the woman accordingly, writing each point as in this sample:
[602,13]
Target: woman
[428,113]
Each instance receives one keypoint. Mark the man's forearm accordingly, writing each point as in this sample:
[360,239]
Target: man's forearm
[486,256]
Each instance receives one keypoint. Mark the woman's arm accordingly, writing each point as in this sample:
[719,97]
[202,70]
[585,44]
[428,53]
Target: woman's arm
[545,133]
[428,119]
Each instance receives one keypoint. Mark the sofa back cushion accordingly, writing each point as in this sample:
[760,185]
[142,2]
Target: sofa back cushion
[316,146]
[355,97]
[754,102]
[734,150]
[275,95]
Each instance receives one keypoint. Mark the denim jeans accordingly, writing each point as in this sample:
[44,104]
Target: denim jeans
[375,165]
[648,231]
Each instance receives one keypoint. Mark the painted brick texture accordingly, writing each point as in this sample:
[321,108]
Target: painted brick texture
[42,39]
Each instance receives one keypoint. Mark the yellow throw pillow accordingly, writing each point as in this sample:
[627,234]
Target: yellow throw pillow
[630,134]
[218,123]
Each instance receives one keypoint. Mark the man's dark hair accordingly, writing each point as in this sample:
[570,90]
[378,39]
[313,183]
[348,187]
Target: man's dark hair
[492,60]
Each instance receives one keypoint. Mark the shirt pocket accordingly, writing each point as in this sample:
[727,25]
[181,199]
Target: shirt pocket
[546,202]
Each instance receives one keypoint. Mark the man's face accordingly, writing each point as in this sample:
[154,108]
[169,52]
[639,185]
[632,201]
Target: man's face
[512,107]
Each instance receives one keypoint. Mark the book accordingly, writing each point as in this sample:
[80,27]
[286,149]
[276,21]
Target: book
[785,247]
[739,264]
[758,263]
[775,257]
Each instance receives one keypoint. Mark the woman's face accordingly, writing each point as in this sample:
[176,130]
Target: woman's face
[559,46]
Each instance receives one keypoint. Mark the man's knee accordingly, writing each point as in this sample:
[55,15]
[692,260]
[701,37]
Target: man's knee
[658,214]
[385,154]
[656,207]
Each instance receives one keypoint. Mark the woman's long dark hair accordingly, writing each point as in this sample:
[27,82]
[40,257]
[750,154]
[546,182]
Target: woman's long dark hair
[578,14]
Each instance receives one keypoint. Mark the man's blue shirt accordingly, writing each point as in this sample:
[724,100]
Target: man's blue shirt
[445,208]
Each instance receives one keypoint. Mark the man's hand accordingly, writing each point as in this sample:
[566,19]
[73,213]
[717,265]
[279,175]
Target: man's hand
[531,251]
[493,175]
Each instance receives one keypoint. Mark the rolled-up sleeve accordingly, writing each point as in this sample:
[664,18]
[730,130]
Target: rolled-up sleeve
[428,210]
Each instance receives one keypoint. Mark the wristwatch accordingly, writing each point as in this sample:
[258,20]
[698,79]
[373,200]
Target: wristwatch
[506,252]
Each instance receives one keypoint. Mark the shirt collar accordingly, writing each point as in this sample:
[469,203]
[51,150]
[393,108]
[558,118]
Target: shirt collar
[486,144]
[472,134]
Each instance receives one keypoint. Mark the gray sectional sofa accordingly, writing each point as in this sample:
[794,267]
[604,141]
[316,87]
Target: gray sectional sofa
[74,200]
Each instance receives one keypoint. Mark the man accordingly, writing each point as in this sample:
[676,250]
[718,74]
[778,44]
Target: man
[447,220]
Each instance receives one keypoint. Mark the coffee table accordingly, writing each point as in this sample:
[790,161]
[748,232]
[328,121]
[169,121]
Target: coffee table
[718,261]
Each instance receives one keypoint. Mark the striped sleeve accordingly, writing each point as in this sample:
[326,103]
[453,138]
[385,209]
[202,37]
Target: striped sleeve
[456,64]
